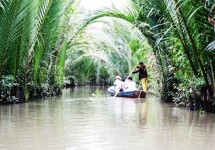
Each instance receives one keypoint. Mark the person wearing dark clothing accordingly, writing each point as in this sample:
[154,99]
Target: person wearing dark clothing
[143,76]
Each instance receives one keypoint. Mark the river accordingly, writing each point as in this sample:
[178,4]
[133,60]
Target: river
[78,121]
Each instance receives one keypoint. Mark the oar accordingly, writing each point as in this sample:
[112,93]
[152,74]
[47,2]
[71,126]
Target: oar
[126,78]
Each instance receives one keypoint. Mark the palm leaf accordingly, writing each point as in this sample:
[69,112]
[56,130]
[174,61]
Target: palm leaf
[211,46]
[10,33]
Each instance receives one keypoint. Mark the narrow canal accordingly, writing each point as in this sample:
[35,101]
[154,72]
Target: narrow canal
[78,121]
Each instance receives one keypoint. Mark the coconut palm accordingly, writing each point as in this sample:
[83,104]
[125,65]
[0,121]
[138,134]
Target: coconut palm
[110,50]
[30,32]
[167,22]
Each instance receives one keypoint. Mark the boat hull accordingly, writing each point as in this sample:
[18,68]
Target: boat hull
[131,94]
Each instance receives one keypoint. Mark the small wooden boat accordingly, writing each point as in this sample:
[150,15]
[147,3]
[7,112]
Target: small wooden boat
[130,94]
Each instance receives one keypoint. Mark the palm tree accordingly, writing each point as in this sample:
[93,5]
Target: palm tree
[168,21]
[111,50]
[30,32]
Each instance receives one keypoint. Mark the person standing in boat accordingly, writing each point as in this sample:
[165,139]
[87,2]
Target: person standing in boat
[117,83]
[143,76]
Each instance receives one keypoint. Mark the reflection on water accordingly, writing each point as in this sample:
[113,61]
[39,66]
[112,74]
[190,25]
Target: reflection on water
[76,121]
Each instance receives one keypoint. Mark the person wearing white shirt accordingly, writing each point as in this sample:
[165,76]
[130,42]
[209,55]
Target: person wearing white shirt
[117,83]
[129,85]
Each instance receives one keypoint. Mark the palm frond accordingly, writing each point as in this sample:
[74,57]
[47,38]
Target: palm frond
[11,26]
[211,46]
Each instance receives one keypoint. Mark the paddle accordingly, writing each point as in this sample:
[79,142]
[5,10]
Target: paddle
[126,78]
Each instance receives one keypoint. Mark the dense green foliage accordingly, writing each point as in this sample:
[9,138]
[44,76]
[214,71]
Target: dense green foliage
[181,38]
[33,43]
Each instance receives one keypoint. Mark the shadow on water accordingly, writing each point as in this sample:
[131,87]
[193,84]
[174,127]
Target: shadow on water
[78,121]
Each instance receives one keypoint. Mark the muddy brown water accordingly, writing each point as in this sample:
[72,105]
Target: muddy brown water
[78,121]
